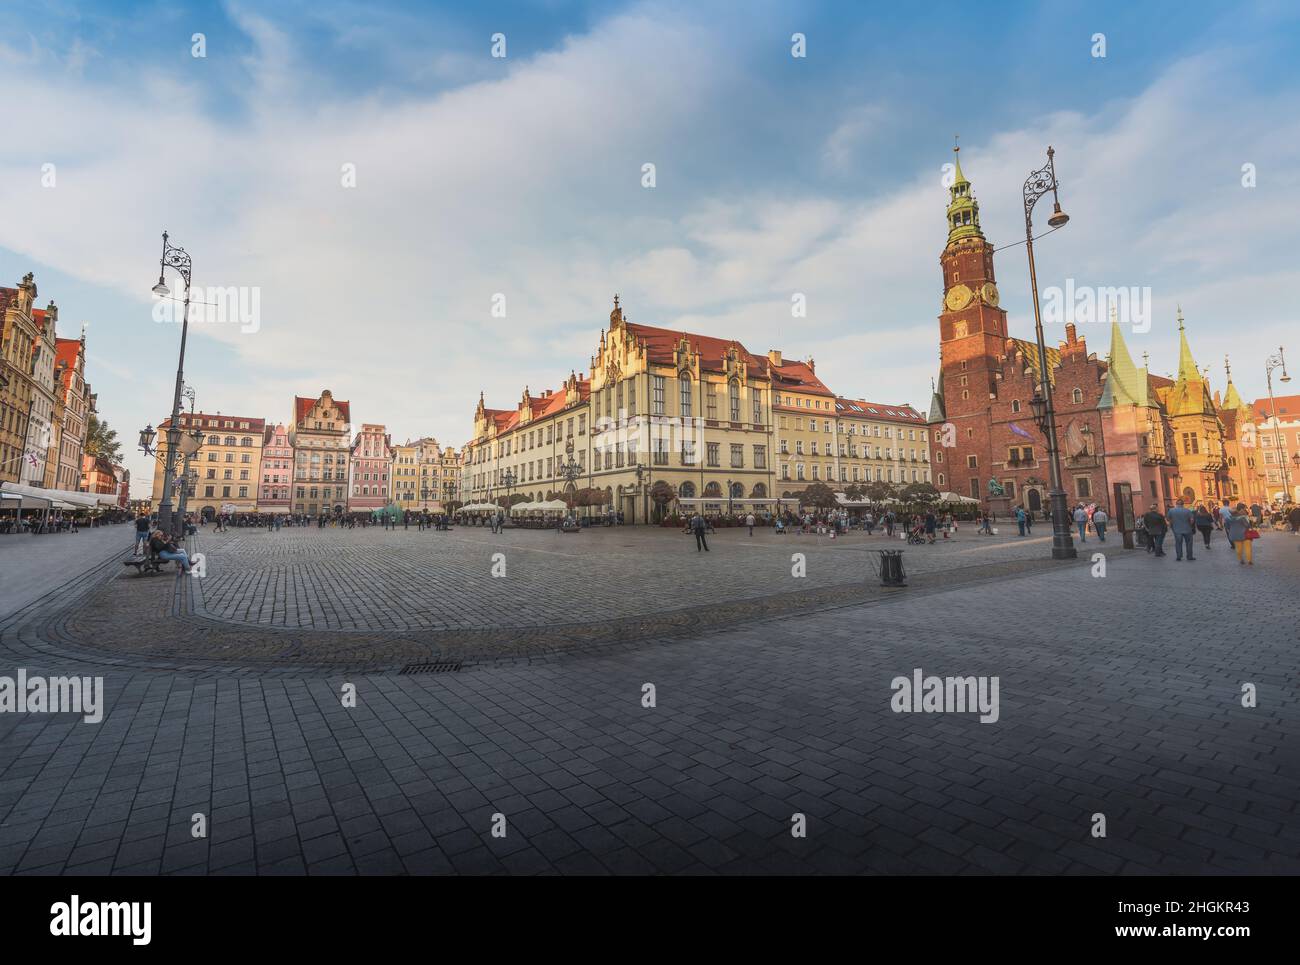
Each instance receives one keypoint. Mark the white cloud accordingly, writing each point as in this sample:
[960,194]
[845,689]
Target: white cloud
[528,183]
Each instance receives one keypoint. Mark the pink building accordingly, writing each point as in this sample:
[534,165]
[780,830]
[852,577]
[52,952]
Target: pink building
[372,469]
[277,470]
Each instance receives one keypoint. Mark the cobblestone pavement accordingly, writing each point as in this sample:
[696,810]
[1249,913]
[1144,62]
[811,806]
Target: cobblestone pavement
[1119,696]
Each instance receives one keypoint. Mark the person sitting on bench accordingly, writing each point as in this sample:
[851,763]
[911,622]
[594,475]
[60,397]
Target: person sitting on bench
[162,544]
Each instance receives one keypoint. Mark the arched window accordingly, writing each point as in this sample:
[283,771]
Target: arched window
[684,384]
[230,440]
[1015,405]
[686,490]
[1077,396]
[712,489]
[214,440]
[760,491]
[733,392]
[737,490]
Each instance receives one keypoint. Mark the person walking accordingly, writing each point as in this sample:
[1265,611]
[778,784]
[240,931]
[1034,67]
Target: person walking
[1183,522]
[1239,531]
[1099,521]
[1081,521]
[1020,519]
[931,525]
[1225,517]
[1154,522]
[749,521]
[1204,523]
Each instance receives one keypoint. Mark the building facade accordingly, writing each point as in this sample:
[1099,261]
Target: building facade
[372,468]
[277,470]
[225,473]
[700,419]
[17,387]
[1120,428]
[320,438]
[40,451]
[73,406]
[1277,422]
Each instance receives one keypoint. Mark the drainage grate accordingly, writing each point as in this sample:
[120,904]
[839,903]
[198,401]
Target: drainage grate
[440,666]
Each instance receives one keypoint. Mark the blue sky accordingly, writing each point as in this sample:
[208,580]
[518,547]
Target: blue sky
[522,176]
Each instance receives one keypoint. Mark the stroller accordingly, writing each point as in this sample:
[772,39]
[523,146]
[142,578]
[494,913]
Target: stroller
[916,535]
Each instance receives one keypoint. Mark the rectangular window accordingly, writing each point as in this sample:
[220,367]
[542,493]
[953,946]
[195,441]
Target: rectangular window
[713,453]
[685,394]
[737,456]
[760,457]
[582,424]
[758,406]
[972,462]
[785,470]
[1083,487]
[733,391]
[661,452]
[974,488]
[688,452]
[657,400]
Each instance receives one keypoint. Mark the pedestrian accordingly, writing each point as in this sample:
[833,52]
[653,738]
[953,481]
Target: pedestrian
[1020,519]
[1240,533]
[749,521]
[1081,521]
[1154,522]
[1225,517]
[141,534]
[697,527]
[931,526]
[1204,523]
[1099,520]
[1183,523]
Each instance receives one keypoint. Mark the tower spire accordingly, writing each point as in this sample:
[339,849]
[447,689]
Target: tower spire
[963,209]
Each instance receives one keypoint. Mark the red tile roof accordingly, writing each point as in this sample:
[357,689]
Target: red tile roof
[302,406]
[878,410]
[795,376]
[1288,408]
[661,345]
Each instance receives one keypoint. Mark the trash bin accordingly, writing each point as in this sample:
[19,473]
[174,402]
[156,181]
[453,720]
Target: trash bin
[891,568]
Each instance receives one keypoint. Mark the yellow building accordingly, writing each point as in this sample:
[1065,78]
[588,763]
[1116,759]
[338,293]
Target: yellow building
[225,473]
[22,328]
[692,412]
[1197,432]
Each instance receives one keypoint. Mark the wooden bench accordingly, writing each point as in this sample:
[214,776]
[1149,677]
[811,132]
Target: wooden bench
[146,565]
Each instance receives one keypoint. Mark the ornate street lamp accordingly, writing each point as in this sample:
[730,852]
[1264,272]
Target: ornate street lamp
[508,480]
[147,436]
[179,260]
[569,470]
[1271,363]
[1038,184]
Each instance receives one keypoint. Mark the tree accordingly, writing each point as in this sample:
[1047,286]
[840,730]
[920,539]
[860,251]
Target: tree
[878,491]
[819,495]
[101,440]
[854,492]
[919,492]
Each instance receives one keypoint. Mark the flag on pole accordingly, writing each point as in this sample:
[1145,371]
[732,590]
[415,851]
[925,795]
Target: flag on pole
[1019,431]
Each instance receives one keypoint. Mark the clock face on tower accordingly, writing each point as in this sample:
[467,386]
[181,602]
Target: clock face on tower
[959,297]
[990,293]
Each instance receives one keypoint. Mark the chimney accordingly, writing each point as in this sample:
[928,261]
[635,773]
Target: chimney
[774,356]
[1071,334]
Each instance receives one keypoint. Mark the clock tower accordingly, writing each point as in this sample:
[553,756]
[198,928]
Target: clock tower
[972,342]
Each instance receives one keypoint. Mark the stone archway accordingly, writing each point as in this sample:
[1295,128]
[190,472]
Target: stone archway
[1034,500]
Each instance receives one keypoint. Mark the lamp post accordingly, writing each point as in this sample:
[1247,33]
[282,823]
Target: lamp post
[508,480]
[1271,363]
[569,470]
[643,491]
[1038,184]
[197,436]
[178,259]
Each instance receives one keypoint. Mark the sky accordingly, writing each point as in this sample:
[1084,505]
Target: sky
[379,181]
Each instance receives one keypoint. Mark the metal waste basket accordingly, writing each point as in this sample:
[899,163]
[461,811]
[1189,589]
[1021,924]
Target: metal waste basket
[891,568]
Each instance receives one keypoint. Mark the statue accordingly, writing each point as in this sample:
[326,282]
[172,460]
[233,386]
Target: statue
[995,488]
